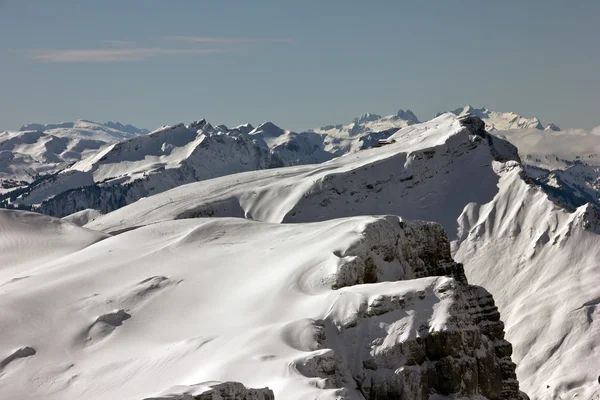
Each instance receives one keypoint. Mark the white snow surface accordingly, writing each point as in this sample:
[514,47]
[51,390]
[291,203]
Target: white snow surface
[501,121]
[82,217]
[163,159]
[538,260]
[43,149]
[541,265]
[179,303]
[556,149]
[421,176]
[341,139]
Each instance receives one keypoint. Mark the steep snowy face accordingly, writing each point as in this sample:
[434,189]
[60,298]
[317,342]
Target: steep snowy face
[541,264]
[421,174]
[45,149]
[500,121]
[363,307]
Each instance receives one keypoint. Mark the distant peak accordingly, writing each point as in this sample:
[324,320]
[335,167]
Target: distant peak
[552,127]
[244,128]
[407,116]
[197,125]
[368,117]
[268,129]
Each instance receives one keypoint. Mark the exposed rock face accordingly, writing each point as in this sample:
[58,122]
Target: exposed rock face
[219,391]
[465,356]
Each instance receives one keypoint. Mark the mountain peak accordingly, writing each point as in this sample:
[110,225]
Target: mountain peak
[268,129]
[496,120]
[552,127]
[407,116]
[367,117]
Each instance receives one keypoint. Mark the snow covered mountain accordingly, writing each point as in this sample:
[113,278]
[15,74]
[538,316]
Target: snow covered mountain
[44,149]
[126,171]
[501,121]
[138,167]
[363,131]
[420,174]
[540,262]
[522,227]
[353,308]
[512,234]
[552,150]
[294,148]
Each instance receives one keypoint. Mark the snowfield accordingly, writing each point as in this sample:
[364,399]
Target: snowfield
[496,246]
[43,149]
[285,282]
[420,176]
[166,307]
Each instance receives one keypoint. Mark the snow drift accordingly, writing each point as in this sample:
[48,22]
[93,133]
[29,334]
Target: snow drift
[363,307]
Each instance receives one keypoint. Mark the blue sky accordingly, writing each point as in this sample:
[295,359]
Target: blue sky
[300,64]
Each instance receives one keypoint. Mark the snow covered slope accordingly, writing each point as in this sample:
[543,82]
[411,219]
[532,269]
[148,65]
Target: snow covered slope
[541,264]
[556,149]
[501,121]
[43,149]
[124,172]
[513,236]
[294,148]
[82,217]
[363,131]
[109,132]
[420,175]
[29,239]
[363,307]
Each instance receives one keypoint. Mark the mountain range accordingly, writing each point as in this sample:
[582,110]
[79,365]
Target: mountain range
[201,260]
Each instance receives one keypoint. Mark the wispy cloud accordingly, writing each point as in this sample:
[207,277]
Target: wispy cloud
[120,43]
[125,50]
[223,40]
[113,55]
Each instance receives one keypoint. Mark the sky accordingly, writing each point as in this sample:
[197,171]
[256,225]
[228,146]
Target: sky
[299,64]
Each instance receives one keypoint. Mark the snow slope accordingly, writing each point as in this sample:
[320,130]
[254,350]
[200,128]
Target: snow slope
[109,132]
[501,121]
[162,309]
[556,149]
[29,239]
[43,149]
[82,217]
[513,236]
[420,175]
[294,148]
[342,139]
[541,264]
[144,165]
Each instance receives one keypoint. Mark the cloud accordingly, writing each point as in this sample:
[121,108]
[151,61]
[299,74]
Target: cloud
[125,50]
[114,55]
[223,40]
[120,43]
[565,144]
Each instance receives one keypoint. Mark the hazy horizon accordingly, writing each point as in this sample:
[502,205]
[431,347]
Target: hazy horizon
[300,66]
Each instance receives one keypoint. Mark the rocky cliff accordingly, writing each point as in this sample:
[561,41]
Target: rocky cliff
[461,354]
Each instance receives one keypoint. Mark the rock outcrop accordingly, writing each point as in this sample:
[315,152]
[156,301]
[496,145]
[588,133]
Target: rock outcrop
[461,353]
[217,391]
